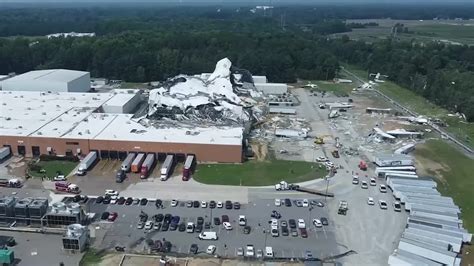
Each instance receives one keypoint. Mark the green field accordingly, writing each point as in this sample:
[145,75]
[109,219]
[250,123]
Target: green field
[51,167]
[421,31]
[255,173]
[339,89]
[91,258]
[462,130]
[453,171]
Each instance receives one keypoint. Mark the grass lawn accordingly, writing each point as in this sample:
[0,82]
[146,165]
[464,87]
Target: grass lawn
[255,173]
[457,33]
[52,167]
[132,85]
[339,89]
[462,130]
[457,180]
[91,257]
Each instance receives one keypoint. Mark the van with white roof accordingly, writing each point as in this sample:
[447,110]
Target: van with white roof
[208,236]
[269,252]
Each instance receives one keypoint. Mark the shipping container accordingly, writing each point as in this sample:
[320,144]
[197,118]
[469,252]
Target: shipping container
[127,163]
[137,163]
[147,166]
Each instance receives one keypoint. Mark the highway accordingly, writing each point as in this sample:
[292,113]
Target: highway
[464,147]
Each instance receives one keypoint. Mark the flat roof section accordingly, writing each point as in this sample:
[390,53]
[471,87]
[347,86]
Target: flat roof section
[58,75]
[122,128]
[25,112]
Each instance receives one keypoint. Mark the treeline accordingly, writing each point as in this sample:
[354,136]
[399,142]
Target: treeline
[443,74]
[145,56]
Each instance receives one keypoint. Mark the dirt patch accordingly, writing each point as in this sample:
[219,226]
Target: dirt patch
[427,167]
[260,150]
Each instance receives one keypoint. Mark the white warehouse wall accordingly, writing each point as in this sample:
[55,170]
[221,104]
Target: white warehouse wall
[31,85]
[272,88]
[81,84]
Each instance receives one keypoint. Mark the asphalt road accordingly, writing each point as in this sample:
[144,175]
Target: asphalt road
[320,241]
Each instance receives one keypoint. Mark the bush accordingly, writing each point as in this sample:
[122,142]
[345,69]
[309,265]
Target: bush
[46,157]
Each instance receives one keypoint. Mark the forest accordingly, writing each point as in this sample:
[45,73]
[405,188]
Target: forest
[144,44]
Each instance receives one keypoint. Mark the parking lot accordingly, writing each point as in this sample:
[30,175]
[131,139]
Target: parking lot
[123,231]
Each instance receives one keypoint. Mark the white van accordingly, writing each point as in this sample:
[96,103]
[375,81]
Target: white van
[208,236]
[269,252]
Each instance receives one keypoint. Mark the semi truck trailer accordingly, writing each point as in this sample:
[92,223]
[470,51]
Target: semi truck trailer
[86,163]
[137,163]
[166,167]
[127,163]
[147,166]
[4,153]
[188,168]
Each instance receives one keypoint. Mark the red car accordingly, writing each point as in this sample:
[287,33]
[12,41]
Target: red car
[112,216]
[303,233]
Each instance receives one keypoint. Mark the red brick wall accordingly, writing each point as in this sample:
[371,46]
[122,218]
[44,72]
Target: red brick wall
[203,152]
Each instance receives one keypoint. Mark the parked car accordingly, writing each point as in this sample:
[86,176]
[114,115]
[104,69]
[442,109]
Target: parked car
[121,201]
[383,188]
[373,182]
[370,201]
[397,206]
[173,227]
[324,221]
[198,228]
[301,223]
[275,214]
[143,201]
[355,180]
[383,204]
[217,221]
[364,185]
[237,205]
[193,249]
[294,232]
[136,201]
[240,251]
[292,223]
[157,226]
[148,225]
[175,219]
[167,218]
[140,225]
[104,216]
[129,201]
[247,229]
[317,223]
[112,216]
[303,233]
[182,227]
[189,204]
[212,204]
[228,204]
[287,202]
[199,220]
[196,204]
[219,204]
[165,226]
[174,203]
[158,203]
[277,202]
[211,249]
[227,225]
[159,218]
[99,199]
[225,218]
[203,204]
[110,192]
[284,231]
[250,251]
[305,203]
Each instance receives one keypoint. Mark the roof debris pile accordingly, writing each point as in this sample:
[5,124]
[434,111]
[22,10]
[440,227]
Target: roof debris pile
[224,98]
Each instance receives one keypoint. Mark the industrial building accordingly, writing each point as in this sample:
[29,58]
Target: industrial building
[64,214]
[272,88]
[62,123]
[76,238]
[50,80]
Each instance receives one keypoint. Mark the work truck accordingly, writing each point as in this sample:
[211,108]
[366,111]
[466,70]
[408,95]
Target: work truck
[13,182]
[283,185]
[67,187]
[147,166]
[188,167]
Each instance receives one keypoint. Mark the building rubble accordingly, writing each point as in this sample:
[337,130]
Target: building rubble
[226,97]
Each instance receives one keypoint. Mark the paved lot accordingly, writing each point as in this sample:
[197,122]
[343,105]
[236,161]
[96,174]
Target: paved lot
[41,250]
[320,240]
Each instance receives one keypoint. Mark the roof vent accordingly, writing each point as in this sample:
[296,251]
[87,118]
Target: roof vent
[60,119]
[8,118]
[20,126]
[39,133]
[88,131]
[4,103]
[43,113]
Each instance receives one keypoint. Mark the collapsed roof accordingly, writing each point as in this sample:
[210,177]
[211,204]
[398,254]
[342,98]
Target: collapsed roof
[226,97]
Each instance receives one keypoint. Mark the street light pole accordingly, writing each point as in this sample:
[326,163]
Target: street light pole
[327,187]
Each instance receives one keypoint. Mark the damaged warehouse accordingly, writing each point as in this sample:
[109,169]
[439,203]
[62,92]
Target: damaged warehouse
[187,115]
